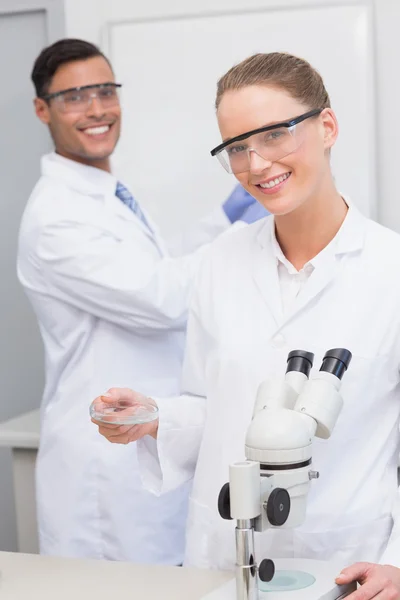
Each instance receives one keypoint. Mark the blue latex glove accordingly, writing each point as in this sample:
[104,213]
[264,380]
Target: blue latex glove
[237,203]
[255,212]
[241,206]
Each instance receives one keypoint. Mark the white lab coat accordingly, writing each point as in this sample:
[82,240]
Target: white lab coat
[241,337]
[112,308]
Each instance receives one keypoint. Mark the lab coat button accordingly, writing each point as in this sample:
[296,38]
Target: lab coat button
[278,341]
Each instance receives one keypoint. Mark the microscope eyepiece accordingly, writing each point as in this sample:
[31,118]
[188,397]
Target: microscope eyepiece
[300,361]
[336,361]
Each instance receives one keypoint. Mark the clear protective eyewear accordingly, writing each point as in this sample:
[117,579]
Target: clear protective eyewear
[271,143]
[78,99]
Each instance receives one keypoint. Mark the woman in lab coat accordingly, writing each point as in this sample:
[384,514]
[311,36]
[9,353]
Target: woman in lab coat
[315,275]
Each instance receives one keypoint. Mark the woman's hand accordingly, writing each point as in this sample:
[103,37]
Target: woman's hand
[376,581]
[119,404]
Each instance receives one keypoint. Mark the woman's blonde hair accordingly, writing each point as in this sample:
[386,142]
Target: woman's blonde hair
[279,69]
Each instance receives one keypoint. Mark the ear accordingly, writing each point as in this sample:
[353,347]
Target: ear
[331,127]
[42,110]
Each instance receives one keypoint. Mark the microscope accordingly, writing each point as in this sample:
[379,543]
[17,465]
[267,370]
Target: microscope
[269,489]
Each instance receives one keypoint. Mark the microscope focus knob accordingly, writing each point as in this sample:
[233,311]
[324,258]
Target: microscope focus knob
[278,507]
[266,570]
[224,502]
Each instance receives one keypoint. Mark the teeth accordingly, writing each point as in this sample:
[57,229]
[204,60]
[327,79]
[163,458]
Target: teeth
[97,130]
[275,182]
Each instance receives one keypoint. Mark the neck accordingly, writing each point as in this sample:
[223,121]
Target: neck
[306,231]
[102,163]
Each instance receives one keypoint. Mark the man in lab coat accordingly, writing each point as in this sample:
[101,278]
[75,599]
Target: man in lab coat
[111,306]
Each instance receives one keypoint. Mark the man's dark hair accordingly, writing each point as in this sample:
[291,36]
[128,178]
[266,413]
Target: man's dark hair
[60,53]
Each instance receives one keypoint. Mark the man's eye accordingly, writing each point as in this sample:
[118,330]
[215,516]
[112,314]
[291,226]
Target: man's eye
[107,92]
[73,98]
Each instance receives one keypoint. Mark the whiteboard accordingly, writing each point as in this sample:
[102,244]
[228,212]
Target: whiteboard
[169,68]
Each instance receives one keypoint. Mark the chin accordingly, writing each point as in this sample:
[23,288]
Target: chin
[278,206]
[96,156]
[98,151]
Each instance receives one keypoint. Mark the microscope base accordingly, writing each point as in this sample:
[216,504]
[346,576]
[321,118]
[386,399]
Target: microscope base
[323,585]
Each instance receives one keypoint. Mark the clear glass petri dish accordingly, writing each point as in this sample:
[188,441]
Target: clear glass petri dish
[124,412]
[287,581]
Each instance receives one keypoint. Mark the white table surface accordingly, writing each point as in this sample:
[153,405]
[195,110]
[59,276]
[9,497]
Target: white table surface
[22,431]
[34,577]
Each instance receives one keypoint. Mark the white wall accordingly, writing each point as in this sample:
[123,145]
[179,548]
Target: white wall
[86,18]
[354,57]
[25,27]
[387,22]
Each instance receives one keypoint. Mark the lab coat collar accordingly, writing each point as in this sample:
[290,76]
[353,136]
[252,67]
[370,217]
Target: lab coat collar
[350,238]
[94,182]
[82,178]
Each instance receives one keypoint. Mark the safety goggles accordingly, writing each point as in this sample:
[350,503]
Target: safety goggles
[78,99]
[271,143]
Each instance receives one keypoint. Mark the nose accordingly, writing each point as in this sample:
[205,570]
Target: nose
[258,164]
[94,108]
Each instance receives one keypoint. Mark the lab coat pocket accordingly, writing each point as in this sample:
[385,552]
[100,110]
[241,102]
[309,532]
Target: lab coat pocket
[350,544]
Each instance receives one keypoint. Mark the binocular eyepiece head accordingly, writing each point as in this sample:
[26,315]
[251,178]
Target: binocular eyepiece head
[335,361]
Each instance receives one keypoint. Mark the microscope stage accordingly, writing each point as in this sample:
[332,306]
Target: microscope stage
[295,579]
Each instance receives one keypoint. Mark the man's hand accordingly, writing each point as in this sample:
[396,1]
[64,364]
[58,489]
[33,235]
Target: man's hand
[128,403]
[381,582]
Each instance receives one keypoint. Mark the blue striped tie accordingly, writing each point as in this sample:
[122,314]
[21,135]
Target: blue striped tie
[126,197]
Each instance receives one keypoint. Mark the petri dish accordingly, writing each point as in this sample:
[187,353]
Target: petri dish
[287,581]
[124,412]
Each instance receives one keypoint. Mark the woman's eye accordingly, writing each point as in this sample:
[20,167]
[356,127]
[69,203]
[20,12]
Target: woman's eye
[236,149]
[275,135]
